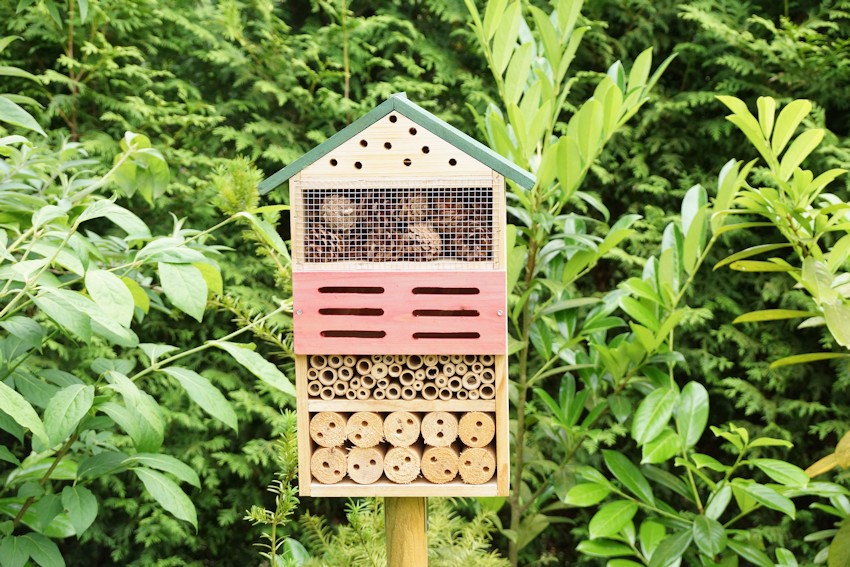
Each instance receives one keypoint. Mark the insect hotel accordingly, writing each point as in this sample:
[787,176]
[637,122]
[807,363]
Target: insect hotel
[400,308]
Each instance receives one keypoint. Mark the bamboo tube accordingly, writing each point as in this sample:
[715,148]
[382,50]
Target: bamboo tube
[443,358]
[470,359]
[328,465]
[327,393]
[461,369]
[487,392]
[471,381]
[334,361]
[408,393]
[318,361]
[351,394]
[327,428]
[418,385]
[414,361]
[401,464]
[376,358]
[379,370]
[349,361]
[379,394]
[455,384]
[474,394]
[476,367]
[327,376]
[419,374]
[388,359]
[345,373]
[439,428]
[367,382]
[439,464]
[401,428]
[449,369]
[429,392]
[488,376]
[487,359]
[365,429]
[406,378]
[456,358]
[394,369]
[432,372]
[363,393]
[355,383]
[477,465]
[314,388]
[393,392]
[382,383]
[476,429]
[399,359]
[363,366]
[340,388]
[430,360]
[445,394]
[312,374]
[366,464]
[441,381]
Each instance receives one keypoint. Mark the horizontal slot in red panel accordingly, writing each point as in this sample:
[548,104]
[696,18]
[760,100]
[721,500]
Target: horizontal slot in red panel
[350,289]
[357,311]
[471,335]
[446,291]
[354,334]
[445,313]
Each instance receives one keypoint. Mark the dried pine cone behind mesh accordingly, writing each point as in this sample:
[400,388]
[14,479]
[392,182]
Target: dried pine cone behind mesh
[475,243]
[323,245]
[414,207]
[422,242]
[339,212]
[378,211]
[384,245]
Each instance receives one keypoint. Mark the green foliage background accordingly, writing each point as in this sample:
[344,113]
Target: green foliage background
[207,82]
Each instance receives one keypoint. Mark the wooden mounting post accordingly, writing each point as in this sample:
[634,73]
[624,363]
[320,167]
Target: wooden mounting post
[407,544]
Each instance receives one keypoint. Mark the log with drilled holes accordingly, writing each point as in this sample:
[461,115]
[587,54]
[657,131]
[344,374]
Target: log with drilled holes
[401,428]
[327,429]
[366,464]
[439,464]
[365,429]
[476,429]
[401,464]
[439,428]
[477,465]
[328,465]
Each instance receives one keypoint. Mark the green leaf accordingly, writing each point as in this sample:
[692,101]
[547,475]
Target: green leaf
[662,448]
[258,366]
[168,495]
[641,313]
[81,506]
[84,10]
[603,548]
[782,472]
[211,275]
[13,552]
[709,535]
[19,409]
[767,113]
[718,501]
[750,252]
[769,498]
[799,150]
[809,357]
[42,550]
[611,518]
[517,74]
[65,410]
[653,414]
[68,310]
[586,494]
[628,474]
[787,122]
[13,114]
[140,298]
[165,463]
[671,549]
[185,287]
[505,38]
[111,295]
[773,315]
[691,413]
[267,234]
[750,553]
[837,316]
[754,266]
[839,549]
[203,393]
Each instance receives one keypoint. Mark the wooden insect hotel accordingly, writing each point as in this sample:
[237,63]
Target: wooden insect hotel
[400,308]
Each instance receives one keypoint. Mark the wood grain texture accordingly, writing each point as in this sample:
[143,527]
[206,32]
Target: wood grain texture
[327,429]
[401,405]
[401,464]
[303,423]
[477,465]
[328,465]
[419,487]
[364,429]
[476,429]
[439,464]
[503,460]
[401,428]
[405,521]
[366,464]
[439,428]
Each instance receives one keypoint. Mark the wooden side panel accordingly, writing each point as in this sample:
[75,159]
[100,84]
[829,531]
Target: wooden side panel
[303,422]
[399,312]
[503,458]
[394,146]
[296,222]
[500,254]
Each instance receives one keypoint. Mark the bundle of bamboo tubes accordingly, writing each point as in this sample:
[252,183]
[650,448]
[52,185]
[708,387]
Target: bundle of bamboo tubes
[402,445]
[406,377]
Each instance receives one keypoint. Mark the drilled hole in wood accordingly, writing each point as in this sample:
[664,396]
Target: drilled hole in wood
[326,465]
[467,335]
[362,312]
[407,459]
[486,469]
[356,334]
[356,467]
[364,423]
[407,162]
[439,434]
[333,162]
[364,143]
[332,425]
[468,463]
[398,431]
[393,118]
[319,434]
[358,165]
[444,313]
[444,291]
[409,422]
[452,162]
[433,459]
[439,422]
[474,439]
[412,131]
[395,468]
[357,436]
[448,472]
[373,462]
[426,149]
[388,146]
[347,289]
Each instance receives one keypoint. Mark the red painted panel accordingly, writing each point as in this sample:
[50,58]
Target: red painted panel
[318,333]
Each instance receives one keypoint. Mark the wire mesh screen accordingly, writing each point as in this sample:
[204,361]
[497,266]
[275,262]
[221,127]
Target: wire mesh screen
[396,224]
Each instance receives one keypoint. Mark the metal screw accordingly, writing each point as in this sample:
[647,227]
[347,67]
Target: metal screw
[500,312]
[299,312]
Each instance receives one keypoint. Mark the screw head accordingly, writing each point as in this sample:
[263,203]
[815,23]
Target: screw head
[299,312]
[500,312]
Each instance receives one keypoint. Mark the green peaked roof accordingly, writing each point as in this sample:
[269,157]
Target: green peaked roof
[399,103]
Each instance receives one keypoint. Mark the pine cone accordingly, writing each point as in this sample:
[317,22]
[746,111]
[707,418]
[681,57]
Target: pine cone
[384,245]
[339,212]
[378,211]
[414,207]
[474,243]
[447,214]
[323,245]
[422,242]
